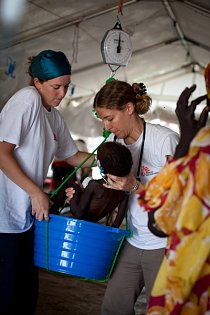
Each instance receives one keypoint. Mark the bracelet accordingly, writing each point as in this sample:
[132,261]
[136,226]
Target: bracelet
[134,188]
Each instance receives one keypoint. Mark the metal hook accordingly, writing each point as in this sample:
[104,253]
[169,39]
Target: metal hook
[118,19]
[113,71]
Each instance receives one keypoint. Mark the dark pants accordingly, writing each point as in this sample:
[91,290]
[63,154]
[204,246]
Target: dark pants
[18,275]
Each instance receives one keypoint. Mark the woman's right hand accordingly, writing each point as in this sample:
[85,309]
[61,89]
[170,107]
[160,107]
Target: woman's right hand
[12,169]
[40,205]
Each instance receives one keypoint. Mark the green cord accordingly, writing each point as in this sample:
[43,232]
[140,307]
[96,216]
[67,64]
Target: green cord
[106,134]
[115,258]
[89,279]
[89,168]
[110,79]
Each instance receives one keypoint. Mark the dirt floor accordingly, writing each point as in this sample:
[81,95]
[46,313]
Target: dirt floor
[64,295]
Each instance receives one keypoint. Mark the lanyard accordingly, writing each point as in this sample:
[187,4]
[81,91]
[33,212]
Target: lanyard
[141,152]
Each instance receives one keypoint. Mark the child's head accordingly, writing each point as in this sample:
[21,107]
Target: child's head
[115,159]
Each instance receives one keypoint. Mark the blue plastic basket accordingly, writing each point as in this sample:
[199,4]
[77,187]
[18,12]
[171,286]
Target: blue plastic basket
[76,247]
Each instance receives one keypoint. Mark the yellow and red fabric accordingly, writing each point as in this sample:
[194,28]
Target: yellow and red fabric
[180,197]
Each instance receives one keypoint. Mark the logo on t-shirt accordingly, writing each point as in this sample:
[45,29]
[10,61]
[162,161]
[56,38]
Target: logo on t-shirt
[146,171]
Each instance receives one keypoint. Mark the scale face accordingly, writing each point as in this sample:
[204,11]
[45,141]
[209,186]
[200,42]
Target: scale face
[116,47]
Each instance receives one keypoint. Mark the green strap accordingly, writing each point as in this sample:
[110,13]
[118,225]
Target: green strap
[77,277]
[89,168]
[106,133]
[85,278]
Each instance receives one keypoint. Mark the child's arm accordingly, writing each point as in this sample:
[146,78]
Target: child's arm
[78,191]
[122,207]
[59,199]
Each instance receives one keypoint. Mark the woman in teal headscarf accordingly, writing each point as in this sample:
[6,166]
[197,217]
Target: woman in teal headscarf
[32,133]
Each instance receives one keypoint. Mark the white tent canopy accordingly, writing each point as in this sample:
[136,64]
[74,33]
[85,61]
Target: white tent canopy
[170,39]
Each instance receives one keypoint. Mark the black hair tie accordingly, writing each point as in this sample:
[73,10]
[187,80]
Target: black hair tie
[142,89]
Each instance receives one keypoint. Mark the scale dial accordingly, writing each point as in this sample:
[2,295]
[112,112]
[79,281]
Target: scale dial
[116,47]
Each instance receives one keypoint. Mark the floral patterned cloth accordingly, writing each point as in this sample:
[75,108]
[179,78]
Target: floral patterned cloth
[180,194]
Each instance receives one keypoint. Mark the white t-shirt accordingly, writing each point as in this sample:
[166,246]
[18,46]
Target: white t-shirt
[39,136]
[159,142]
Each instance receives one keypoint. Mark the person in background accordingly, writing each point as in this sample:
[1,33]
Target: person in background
[121,107]
[60,169]
[32,133]
[96,201]
[178,203]
[84,172]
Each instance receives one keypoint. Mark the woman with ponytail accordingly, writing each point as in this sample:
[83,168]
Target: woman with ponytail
[121,107]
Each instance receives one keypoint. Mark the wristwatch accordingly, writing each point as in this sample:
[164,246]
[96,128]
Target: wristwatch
[116,46]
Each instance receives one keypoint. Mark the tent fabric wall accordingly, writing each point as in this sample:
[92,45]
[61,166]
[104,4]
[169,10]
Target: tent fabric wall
[170,41]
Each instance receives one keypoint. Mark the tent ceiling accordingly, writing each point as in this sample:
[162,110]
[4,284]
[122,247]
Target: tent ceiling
[169,37]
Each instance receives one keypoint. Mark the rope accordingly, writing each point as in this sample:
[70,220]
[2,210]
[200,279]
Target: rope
[85,278]
[106,134]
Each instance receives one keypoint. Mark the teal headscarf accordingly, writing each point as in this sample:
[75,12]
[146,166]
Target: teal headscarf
[49,64]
